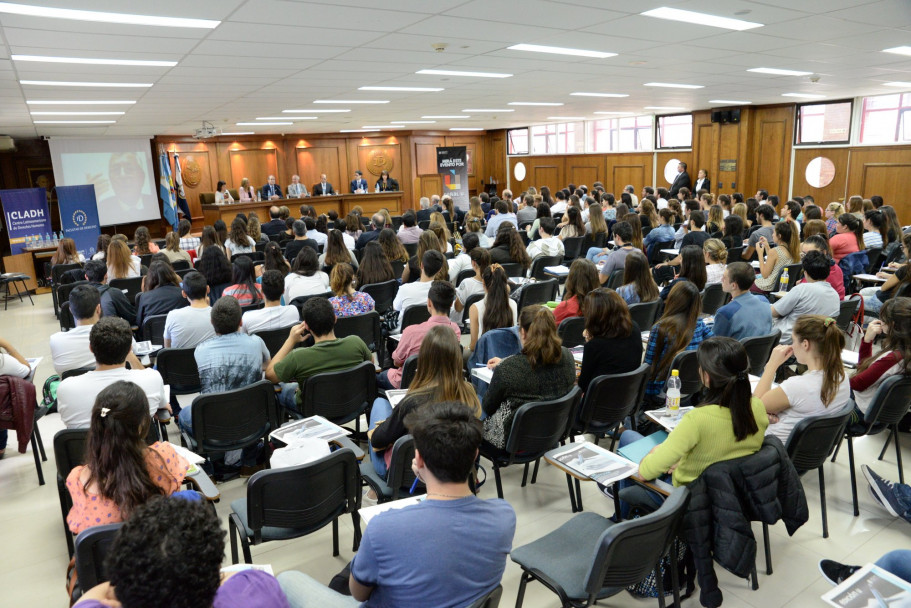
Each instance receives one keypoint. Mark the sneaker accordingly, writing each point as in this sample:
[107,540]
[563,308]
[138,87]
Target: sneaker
[607,490]
[883,489]
[836,573]
[875,497]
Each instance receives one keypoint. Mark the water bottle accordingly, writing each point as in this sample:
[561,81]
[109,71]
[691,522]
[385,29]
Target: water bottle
[783,284]
[56,239]
[47,239]
[672,390]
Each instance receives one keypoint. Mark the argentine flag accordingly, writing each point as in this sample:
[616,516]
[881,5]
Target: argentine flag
[178,183]
[166,190]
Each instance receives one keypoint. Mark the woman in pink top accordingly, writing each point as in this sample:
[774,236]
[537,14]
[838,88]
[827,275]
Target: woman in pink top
[121,472]
[849,236]
[245,191]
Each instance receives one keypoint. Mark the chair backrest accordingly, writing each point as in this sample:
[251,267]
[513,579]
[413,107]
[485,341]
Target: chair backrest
[465,274]
[759,349]
[538,265]
[685,363]
[58,270]
[248,307]
[874,257]
[846,310]
[712,298]
[63,290]
[382,293]
[472,299]
[891,402]
[146,259]
[513,269]
[645,313]
[409,369]
[795,273]
[365,326]
[235,419]
[305,497]
[65,317]
[490,599]
[538,292]
[615,280]
[412,248]
[813,439]
[153,328]
[92,548]
[588,242]
[274,338]
[400,475]
[538,425]
[655,254]
[69,450]
[340,396]
[178,369]
[570,331]
[398,268]
[572,247]
[76,372]
[256,256]
[734,254]
[180,265]
[182,272]
[612,397]
[299,301]
[130,286]
[414,315]
[629,550]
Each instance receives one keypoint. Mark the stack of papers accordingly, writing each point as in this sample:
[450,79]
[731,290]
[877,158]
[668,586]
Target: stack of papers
[141,349]
[870,586]
[596,463]
[577,353]
[667,419]
[483,374]
[368,513]
[395,396]
[191,457]
[557,270]
[314,427]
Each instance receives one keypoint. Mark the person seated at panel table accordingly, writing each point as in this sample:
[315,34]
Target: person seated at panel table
[358,185]
[222,195]
[245,191]
[297,189]
[271,191]
[323,188]
[386,183]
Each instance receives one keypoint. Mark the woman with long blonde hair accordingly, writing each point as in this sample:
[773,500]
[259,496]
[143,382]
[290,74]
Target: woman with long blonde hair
[121,265]
[428,240]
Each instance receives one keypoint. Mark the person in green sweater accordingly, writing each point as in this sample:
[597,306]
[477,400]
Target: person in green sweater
[729,424]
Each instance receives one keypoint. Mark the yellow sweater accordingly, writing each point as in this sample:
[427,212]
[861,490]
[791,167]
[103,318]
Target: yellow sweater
[703,437]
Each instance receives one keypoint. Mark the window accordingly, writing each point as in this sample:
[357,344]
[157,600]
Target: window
[885,119]
[517,141]
[823,123]
[675,131]
[558,138]
[626,134]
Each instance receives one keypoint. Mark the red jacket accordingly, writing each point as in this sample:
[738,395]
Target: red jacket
[17,408]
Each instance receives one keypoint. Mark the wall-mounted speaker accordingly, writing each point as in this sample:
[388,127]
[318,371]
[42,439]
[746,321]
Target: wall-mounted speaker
[735,115]
[716,115]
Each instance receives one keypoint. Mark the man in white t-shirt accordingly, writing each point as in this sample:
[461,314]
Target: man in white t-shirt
[189,326]
[814,297]
[415,294]
[70,349]
[110,340]
[273,315]
[560,205]
[548,244]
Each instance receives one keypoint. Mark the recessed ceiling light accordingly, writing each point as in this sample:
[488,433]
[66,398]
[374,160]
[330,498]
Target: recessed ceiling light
[676,14]
[466,129]
[363,101]
[447,116]
[730,101]
[565,118]
[412,122]
[314,111]
[261,124]
[286,118]
[462,73]
[95,61]
[77,113]
[63,83]
[358,130]
[240,133]
[411,89]
[74,122]
[487,110]
[779,72]
[101,17]
[534,103]
[52,102]
[664,108]
[584,94]
[383,127]
[899,50]
[806,95]
[672,85]
[559,50]
[898,84]
[617,113]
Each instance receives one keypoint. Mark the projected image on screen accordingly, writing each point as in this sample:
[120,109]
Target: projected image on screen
[121,172]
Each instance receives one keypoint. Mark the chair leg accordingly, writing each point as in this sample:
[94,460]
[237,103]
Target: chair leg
[768,549]
[822,500]
[37,456]
[755,578]
[853,475]
[837,447]
[496,475]
[40,442]
[898,455]
[357,531]
[232,532]
[525,475]
[675,578]
[523,580]
[335,537]
[886,445]
[659,583]
[572,493]
[534,473]
[578,494]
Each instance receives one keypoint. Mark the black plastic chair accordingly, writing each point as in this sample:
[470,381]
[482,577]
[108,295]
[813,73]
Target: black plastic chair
[888,407]
[293,502]
[538,265]
[538,292]
[409,369]
[65,317]
[258,306]
[590,557]
[180,265]
[340,396]
[69,452]
[513,269]
[274,338]
[472,299]
[178,369]
[490,599]
[414,315]
[153,328]
[382,293]
[182,272]
[874,257]
[365,326]
[465,274]
[795,273]
[656,255]
[644,314]
[57,272]
[846,310]
[712,298]
[734,254]
[398,268]
[812,441]
[570,331]
[615,280]
[399,475]
[688,370]
[93,545]
[759,349]
[536,428]
[572,248]
[130,287]
[299,301]
[412,248]
[256,256]
[62,295]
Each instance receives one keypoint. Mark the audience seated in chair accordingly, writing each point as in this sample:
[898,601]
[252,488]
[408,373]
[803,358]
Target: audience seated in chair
[190,326]
[613,341]
[114,302]
[416,293]
[815,297]
[161,292]
[746,315]
[273,315]
[894,324]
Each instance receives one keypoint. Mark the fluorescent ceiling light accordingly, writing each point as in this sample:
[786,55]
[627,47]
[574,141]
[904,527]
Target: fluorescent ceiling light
[51,102]
[412,122]
[559,50]
[240,133]
[664,108]
[584,94]
[462,73]
[466,129]
[74,122]
[617,113]
[806,95]
[565,118]
[62,83]
[447,116]
[77,113]
[101,17]
[672,85]
[676,14]
[898,84]
[366,101]
[314,111]
[779,72]
[730,101]
[411,89]
[94,61]
[261,124]
[534,103]
[486,110]
[286,118]
[358,130]
[899,50]
[374,127]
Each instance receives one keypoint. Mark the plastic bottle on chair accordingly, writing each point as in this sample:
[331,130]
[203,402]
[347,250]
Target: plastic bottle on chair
[672,392]
[783,284]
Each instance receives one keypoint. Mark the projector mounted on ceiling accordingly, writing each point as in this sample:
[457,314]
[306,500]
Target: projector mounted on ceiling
[208,130]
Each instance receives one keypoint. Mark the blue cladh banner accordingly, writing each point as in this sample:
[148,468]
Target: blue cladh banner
[26,213]
[79,217]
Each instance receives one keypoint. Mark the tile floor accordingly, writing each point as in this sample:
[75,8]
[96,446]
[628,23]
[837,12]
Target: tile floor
[34,558]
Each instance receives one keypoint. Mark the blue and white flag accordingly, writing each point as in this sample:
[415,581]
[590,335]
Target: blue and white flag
[166,191]
[178,183]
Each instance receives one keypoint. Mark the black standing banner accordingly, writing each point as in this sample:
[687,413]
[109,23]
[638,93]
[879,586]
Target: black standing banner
[452,165]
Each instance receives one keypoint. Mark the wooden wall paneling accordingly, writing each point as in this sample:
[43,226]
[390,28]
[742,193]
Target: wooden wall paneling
[772,133]
[627,169]
[835,191]
[727,148]
[882,171]
[664,157]
[427,185]
[514,184]
[256,165]
[425,179]
[312,162]
[372,158]
[477,165]
[584,169]
[425,158]
[548,174]
[196,168]
[495,153]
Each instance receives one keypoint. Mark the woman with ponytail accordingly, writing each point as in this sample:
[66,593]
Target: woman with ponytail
[543,370]
[817,343]
[120,472]
[496,310]
[772,260]
[728,424]
[894,324]
[849,236]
